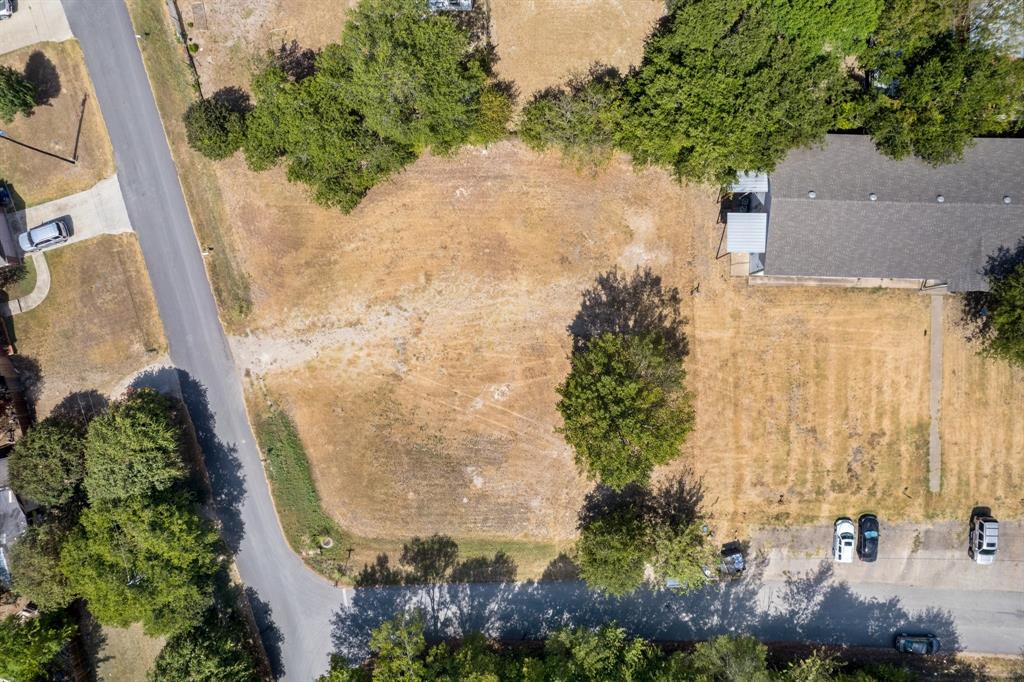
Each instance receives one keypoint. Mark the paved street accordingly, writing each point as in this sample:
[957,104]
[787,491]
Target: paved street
[311,618]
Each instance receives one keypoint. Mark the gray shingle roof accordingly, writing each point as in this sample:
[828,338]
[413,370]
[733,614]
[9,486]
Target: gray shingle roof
[905,232]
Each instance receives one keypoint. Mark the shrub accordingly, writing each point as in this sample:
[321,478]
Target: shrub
[493,114]
[213,129]
[579,118]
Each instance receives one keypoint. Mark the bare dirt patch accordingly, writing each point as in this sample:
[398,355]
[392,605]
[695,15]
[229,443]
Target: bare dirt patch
[98,325]
[982,430]
[59,73]
[541,42]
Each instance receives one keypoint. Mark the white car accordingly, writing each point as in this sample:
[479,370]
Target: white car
[843,541]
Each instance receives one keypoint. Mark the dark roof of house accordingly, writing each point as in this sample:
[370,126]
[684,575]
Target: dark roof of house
[905,232]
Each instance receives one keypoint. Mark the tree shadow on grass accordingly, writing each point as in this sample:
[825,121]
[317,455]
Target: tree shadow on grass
[43,75]
[634,304]
[30,374]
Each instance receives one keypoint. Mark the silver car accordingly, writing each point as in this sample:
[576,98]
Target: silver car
[42,237]
[6,9]
[843,540]
[983,540]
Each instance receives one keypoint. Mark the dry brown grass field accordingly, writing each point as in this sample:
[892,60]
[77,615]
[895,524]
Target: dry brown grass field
[98,325]
[417,343]
[53,127]
[982,429]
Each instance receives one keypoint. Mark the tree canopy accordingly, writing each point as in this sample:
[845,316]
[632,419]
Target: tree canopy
[35,567]
[48,464]
[1004,322]
[401,654]
[624,408]
[408,72]
[27,648]
[401,80]
[143,560]
[723,88]
[612,549]
[133,449]
[215,650]
[17,94]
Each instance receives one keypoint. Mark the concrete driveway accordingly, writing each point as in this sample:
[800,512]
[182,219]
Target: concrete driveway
[35,21]
[98,210]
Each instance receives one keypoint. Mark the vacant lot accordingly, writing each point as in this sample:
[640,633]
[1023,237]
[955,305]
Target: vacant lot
[59,74]
[419,345]
[98,325]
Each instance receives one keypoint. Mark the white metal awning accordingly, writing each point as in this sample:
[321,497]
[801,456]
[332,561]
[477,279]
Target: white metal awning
[750,182]
[746,232]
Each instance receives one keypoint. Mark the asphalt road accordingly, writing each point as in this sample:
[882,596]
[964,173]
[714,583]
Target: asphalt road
[307,618]
[300,601]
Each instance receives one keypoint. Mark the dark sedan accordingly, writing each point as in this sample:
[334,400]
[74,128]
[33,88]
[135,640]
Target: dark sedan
[922,645]
[867,537]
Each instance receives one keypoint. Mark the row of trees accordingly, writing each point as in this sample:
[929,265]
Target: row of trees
[625,410]
[401,81]
[732,85]
[123,532]
[400,652]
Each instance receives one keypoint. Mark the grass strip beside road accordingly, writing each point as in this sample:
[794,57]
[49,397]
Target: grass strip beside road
[171,80]
[296,498]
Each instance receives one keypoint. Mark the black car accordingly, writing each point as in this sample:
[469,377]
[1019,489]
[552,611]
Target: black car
[921,645]
[867,537]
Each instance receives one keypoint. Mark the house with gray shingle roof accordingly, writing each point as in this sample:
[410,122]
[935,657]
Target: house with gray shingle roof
[844,210]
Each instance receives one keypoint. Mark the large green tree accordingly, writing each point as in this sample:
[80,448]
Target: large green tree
[17,94]
[408,72]
[216,650]
[143,560]
[35,567]
[48,464]
[939,98]
[624,408]
[133,449]
[723,89]
[27,648]
[1004,321]
[605,653]
[322,139]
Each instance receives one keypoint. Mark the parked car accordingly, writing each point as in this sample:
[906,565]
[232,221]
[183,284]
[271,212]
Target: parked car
[921,645]
[42,237]
[733,562]
[867,537]
[843,540]
[983,540]
[6,9]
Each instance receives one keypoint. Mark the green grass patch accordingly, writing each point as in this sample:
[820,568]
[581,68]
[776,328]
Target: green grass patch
[171,79]
[302,517]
